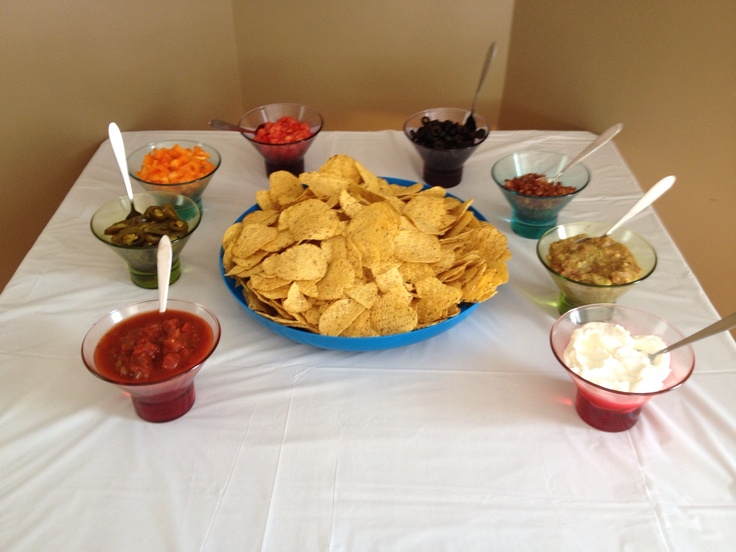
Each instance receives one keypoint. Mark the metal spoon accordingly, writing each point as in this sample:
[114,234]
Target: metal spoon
[223,125]
[470,121]
[118,149]
[603,139]
[654,193]
[163,268]
[722,325]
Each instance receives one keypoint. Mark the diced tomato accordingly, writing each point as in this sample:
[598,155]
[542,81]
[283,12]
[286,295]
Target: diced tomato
[285,130]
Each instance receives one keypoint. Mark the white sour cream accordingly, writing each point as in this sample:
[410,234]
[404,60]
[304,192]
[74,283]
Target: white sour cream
[608,355]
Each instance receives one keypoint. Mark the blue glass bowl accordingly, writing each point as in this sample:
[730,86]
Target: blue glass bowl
[349,343]
[532,216]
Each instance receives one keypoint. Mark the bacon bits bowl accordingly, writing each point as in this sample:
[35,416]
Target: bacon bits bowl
[533,215]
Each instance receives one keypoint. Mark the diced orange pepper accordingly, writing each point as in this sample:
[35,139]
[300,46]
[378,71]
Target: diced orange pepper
[175,165]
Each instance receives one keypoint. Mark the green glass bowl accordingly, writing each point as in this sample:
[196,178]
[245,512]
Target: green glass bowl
[142,260]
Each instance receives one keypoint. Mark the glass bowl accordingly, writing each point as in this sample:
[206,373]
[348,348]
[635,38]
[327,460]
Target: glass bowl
[443,167]
[162,400]
[532,216]
[604,408]
[288,156]
[141,260]
[574,294]
[193,189]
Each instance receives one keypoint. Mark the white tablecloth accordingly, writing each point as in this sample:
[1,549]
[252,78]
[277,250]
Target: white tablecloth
[467,442]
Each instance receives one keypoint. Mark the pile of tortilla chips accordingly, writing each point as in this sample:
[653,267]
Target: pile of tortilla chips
[342,252]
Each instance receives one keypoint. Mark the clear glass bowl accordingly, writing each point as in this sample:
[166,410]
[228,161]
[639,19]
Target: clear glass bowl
[141,261]
[444,167]
[532,216]
[604,408]
[192,189]
[574,294]
[161,400]
[282,157]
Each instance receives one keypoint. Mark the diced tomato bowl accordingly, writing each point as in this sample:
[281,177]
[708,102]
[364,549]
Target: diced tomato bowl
[283,132]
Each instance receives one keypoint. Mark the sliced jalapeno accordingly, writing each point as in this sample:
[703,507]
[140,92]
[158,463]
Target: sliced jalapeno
[155,213]
[116,227]
[178,226]
[129,237]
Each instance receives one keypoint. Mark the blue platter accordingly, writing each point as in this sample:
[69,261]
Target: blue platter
[349,343]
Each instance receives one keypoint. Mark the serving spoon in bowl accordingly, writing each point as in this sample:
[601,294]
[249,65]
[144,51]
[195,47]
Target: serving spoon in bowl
[599,142]
[224,125]
[651,195]
[722,325]
[470,122]
[118,149]
[163,269]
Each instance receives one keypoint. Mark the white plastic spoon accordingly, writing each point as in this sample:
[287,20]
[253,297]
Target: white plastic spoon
[118,149]
[163,267]
[603,139]
[651,195]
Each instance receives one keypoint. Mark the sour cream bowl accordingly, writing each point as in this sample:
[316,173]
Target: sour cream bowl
[608,409]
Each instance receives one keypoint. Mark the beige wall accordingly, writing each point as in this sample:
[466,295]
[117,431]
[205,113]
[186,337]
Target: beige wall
[69,68]
[369,65]
[667,70]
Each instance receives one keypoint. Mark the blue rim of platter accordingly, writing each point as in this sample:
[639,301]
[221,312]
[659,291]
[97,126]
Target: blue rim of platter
[339,343]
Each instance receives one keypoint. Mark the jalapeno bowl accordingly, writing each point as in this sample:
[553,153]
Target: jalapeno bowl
[193,189]
[140,254]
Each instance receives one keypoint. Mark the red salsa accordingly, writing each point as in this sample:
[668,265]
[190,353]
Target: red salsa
[152,346]
[283,131]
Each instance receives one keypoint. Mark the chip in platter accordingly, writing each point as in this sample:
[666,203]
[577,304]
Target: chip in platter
[341,252]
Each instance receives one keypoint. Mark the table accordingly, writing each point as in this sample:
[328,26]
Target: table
[467,442]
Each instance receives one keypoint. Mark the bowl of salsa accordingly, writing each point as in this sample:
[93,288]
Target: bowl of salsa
[282,134]
[152,356]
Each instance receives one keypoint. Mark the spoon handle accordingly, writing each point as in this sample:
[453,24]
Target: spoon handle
[118,149]
[483,72]
[645,201]
[163,267]
[602,140]
[722,325]
[223,125]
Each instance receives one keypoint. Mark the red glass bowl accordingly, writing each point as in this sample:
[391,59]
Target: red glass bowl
[161,400]
[604,408]
[282,157]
